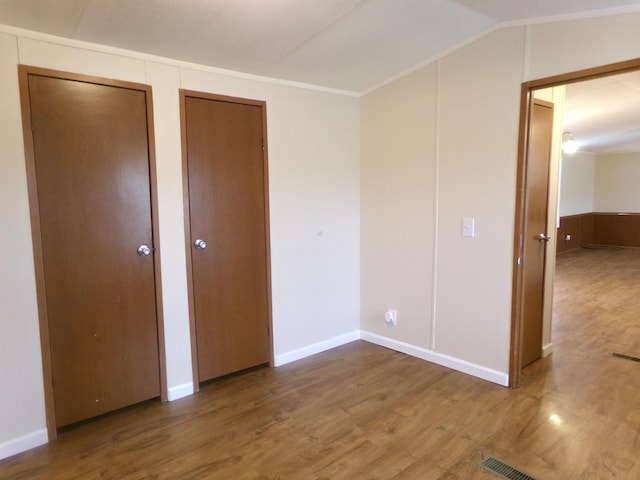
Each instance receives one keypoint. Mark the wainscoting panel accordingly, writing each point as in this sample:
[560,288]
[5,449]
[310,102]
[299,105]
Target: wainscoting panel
[620,229]
[598,228]
[575,231]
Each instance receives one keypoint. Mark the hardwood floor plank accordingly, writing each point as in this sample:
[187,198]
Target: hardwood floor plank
[365,412]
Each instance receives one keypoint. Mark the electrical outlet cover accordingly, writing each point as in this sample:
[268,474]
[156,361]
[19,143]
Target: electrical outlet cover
[391,317]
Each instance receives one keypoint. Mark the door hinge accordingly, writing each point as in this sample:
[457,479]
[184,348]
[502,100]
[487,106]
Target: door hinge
[519,261]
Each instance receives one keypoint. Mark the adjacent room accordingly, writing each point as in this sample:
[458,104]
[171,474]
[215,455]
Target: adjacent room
[286,239]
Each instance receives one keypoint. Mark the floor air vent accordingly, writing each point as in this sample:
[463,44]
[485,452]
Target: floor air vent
[503,470]
[625,357]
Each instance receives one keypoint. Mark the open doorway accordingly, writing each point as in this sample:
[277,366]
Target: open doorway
[523,207]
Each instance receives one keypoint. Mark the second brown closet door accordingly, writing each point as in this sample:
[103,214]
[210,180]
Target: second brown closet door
[227,208]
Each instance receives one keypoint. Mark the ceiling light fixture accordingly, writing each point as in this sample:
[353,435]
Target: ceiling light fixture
[569,145]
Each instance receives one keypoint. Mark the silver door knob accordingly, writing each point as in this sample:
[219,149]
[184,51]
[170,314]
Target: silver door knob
[201,244]
[544,238]
[144,250]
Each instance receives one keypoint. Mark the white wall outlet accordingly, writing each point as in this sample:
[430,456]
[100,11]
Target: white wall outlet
[391,317]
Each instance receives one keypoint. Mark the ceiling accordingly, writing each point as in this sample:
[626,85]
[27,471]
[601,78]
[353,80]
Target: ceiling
[350,45]
[603,115]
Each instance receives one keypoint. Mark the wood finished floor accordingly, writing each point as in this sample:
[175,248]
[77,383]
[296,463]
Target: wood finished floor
[364,412]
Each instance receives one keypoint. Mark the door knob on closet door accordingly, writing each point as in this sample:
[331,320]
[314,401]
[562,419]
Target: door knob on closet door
[144,250]
[200,244]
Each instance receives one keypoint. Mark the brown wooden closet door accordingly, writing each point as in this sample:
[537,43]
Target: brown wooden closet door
[92,173]
[227,210]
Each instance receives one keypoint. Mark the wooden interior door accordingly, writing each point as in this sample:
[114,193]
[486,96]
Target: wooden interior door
[535,228]
[226,167]
[90,148]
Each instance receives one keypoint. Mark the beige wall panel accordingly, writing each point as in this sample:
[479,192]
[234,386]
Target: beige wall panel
[479,114]
[85,61]
[166,83]
[617,182]
[577,183]
[22,404]
[398,171]
[563,47]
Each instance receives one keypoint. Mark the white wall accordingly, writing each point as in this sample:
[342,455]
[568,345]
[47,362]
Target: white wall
[473,156]
[313,139]
[22,418]
[617,182]
[560,47]
[431,155]
[606,182]
[398,207]
[480,86]
[577,186]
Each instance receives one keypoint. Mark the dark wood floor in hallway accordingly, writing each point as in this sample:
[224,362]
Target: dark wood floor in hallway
[365,412]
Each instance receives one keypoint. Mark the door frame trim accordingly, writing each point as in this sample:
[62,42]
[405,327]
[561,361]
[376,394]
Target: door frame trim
[526,95]
[34,211]
[184,93]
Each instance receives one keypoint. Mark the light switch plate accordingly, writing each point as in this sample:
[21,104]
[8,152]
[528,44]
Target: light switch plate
[469,227]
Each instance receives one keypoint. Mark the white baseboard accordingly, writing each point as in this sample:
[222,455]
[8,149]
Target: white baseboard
[312,349]
[180,391]
[547,349]
[454,363]
[23,443]
[40,437]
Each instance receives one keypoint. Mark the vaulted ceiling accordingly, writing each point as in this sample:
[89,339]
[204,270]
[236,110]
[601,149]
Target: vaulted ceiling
[350,45]
[344,44]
